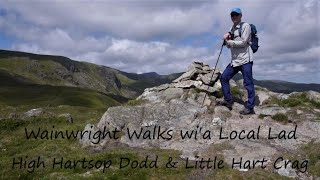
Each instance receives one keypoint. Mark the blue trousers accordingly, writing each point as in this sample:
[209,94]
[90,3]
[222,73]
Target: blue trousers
[229,72]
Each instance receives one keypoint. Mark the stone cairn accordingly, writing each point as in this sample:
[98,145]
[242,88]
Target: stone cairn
[199,76]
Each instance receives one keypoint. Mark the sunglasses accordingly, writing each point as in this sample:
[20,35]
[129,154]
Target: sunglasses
[234,14]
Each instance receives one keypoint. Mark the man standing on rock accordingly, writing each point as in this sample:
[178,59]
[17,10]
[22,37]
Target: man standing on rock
[241,60]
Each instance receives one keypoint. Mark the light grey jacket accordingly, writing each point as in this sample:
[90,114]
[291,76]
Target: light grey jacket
[241,52]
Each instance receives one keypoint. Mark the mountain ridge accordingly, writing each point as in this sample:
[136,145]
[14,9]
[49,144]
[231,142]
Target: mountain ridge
[63,71]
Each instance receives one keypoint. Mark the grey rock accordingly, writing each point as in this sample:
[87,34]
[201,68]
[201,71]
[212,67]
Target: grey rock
[298,111]
[200,72]
[222,112]
[189,75]
[206,68]
[271,110]
[217,121]
[207,88]
[151,94]
[217,85]
[119,116]
[184,96]
[187,84]
[87,140]
[263,96]
[195,65]
[209,78]
[288,171]
[205,64]
[34,112]
[163,87]
[282,96]
[172,93]
[313,96]
[237,107]
[204,98]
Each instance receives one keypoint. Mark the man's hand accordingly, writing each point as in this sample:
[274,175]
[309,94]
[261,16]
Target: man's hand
[226,36]
[225,43]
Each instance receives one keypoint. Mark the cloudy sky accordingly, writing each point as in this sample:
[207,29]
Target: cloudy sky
[165,36]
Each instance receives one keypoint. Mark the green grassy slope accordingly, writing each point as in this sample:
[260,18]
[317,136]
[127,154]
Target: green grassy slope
[17,91]
[45,95]
[62,71]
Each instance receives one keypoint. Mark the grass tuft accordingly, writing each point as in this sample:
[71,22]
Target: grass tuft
[312,153]
[261,116]
[298,100]
[135,102]
[235,91]
[280,117]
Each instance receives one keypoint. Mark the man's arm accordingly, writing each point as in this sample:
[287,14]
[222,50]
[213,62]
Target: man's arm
[244,37]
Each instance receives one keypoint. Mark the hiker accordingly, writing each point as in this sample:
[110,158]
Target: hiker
[241,60]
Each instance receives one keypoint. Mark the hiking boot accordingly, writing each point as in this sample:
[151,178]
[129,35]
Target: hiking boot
[247,111]
[225,103]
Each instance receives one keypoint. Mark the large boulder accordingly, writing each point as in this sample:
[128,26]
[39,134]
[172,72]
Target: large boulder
[175,115]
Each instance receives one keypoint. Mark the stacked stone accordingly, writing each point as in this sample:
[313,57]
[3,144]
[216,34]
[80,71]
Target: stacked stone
[199,75]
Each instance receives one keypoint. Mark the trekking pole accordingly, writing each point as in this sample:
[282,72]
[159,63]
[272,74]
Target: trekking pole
[205,96]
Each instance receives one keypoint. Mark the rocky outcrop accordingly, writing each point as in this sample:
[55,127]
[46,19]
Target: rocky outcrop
[189,103]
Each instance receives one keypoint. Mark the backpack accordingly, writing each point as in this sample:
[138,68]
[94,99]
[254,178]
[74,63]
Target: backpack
[254,37]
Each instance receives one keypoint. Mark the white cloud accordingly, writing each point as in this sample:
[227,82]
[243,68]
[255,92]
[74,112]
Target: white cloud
[126,55]
[142,36]
[124,19]
[133,56]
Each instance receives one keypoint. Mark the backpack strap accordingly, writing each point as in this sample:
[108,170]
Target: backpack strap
[240,29]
